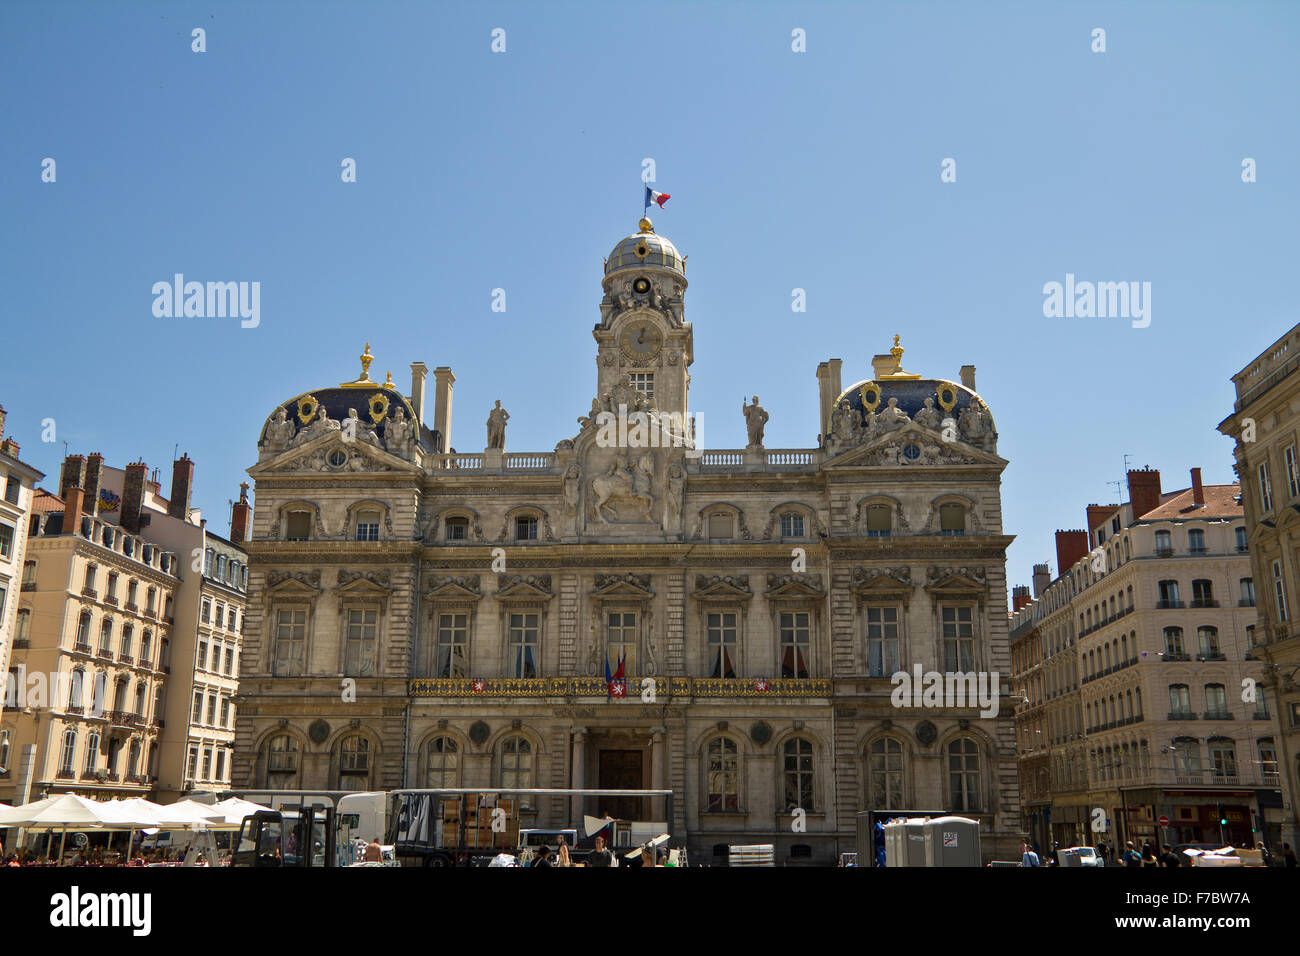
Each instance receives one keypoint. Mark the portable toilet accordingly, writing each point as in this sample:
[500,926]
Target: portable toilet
[951,841]
[905,842]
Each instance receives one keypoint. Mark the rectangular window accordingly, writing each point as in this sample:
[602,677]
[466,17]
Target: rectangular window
[207,612]
[192,765]
[218,619]
[453,633]
[791,525]
[196,713]
[368,526]
[882,641]
[1268,759]
[620,642]
[232,618]
[359,654]
[6,743]
[6,541]
[1247,592]
[644,382]
[221,765]
[290,640]
[29,574]
[1180,699]
[1279,592]
[1216,699]
[1292,477]
[721,627]
[879,521]
[1265,489]
[522,652]
[457,529]
[526,528]
[230,661]
[958,639]
[1196,541]
[952,520]
[13,488]
[298,526]
[796,639]
[225,712]
[203,656]
[212,710]
[719,525]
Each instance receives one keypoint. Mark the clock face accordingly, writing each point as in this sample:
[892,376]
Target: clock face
[641,286]
[641,340]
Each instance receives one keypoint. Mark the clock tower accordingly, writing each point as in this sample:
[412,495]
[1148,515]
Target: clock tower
[642,339]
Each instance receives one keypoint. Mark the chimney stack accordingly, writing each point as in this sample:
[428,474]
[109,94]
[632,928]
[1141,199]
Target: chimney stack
[443,381]
[968,377]
[1198,490]
[94,468]
[133,497]
[70,476]
[1019,597]
[178,505]
[1070,547]
[1042,578]
[419,372]
[1143,491]
[1097,514]
[73,497]
[240,515]
[828,389]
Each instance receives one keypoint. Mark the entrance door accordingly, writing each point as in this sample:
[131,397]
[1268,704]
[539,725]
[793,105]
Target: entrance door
[621,770]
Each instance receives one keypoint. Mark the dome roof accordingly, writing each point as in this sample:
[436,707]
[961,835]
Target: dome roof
[948,398]
[375,403]
[645,248]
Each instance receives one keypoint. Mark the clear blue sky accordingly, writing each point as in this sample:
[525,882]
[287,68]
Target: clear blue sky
[519,170]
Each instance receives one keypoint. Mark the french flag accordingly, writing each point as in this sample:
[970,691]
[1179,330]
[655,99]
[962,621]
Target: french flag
[653,197]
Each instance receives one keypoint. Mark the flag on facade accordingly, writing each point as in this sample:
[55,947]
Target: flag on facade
[615,684]
[657,198]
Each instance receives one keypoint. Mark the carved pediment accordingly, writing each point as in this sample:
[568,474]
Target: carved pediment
[722,586]
[807,584]
[623,585]
[892,583]
[363,586]
[329,453]
[964,580]
[289,584]
[450,587]
[913,446]
[525,586]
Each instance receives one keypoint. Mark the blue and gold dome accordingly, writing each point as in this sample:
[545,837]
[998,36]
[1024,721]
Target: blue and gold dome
[376,404]
[645,249]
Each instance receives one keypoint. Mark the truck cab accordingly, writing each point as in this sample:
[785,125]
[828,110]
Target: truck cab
[300,838]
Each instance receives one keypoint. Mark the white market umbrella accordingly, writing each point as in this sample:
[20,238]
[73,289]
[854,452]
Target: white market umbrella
[187,814]
[143,810]
[234,810]
[68,810]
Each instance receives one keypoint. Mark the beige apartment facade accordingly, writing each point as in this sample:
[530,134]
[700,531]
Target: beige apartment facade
[1265,424]
[423,617]
[1171,720]
[94,671]
[18,482]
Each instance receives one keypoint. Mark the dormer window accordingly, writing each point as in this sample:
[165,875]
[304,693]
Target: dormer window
[457,529]
[792,525]
[526,528]
[720,526]
[298,526]
[879,521]
[952,520]
[368,526]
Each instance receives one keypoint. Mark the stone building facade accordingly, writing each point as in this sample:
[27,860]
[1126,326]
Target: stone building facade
[1144,698]
[1265,424]
[421,617]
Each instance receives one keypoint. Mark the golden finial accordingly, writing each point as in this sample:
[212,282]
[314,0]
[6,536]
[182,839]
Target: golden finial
[646,225]
[389,382]
[897,353]
[365,380]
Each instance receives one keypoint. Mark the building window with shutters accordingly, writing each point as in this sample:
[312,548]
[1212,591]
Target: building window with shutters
[452,649]
[796,643]
[721,635]
[522,653]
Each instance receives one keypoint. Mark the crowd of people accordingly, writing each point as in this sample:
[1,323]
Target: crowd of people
[1150,854]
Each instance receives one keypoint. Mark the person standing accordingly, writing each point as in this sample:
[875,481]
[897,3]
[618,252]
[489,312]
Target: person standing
[374,852]
[563,853]
[1027,856]
[543,857]
[1288,855]
[600,856]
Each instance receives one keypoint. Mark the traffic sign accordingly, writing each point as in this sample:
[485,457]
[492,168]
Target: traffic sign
[1163,821]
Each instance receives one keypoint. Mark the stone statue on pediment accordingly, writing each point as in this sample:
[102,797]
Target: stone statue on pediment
[496,426]
[929,416]
[756,419]
[323,425]
[279,432]
[399,434]
[891,416]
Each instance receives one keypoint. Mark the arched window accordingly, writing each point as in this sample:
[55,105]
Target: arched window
[133,759]
[106,636]
[442,763]
[456,529]
[516,759]
[1174,644]
[139,699]
[964,776]
[952,519]
[76,688]
[797,774]
[127,632]
[354,762]
[281,761]
[885,767]
[146,648]
[792,524]
[722,775]
[1207,639]
[92,753]
[69,752]
[880,521]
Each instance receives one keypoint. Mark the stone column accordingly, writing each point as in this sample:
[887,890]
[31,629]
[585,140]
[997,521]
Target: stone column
[579,780]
